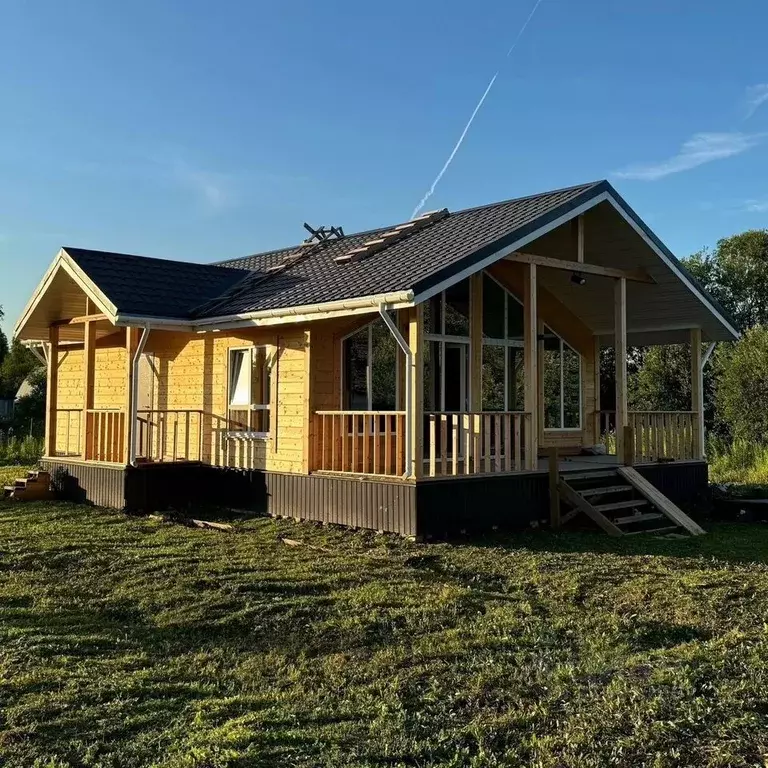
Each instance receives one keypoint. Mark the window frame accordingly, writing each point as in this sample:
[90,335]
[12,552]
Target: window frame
[368,369]
[562,345]
[442,338]
[250,351]
[506,342]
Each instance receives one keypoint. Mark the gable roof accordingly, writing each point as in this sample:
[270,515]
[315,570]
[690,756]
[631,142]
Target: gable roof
[136,289]
[138,285]
[412,264]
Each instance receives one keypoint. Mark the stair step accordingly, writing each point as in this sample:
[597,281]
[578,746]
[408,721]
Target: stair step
[621,505]
[605,489]
[21,482]
[599,474]
[638,518]
[667,529]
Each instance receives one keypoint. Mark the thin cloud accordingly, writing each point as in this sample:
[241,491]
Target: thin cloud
[701,148]
[756,206]
[215,191]
[756,96]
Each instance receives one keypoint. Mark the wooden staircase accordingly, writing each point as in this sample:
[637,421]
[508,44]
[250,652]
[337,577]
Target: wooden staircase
[36,486]
[623,503]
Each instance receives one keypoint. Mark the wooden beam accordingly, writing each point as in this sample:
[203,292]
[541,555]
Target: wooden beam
[308,406]
[89,369]
[580,239]
[697,393]
[638,275]
[416,343]
[530,365]
[620,346]
[80,319]
[579,502]
[131,343]
[476,342]
[660,501]
[51,389]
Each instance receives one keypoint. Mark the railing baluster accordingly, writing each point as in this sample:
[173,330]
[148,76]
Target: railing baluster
[518,444]
[443,442]
[376,446]
[455,443]
[432,444]
[487,442]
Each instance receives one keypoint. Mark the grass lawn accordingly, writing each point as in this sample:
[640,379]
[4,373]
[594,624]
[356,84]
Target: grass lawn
[129,642]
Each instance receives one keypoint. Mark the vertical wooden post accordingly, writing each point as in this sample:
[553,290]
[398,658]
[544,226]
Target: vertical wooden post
[52,387]
[530,364]
[416,343]
[476,342]
[697,394]
[554,494]
[307,461]
[620,344]
[596,374]
[131,342]
[629,446]
[580,238]
[89,370]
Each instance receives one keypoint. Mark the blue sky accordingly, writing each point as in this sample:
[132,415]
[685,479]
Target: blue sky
[201,131]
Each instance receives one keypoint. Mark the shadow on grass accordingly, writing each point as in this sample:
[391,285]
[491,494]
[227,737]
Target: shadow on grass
[729,542]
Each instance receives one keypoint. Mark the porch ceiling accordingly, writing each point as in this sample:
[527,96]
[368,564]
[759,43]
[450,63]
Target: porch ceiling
[659,313]
[62,299]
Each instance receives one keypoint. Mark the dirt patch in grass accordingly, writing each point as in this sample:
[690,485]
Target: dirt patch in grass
[129,642]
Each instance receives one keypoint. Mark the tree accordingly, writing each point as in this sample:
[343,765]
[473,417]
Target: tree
[742,388]
[15,367]
[3,340]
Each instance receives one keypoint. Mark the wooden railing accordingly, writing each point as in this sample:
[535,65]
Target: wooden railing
[657,435]
[367,442]
[169,435]
[105,435]
[663,434]
[69,429]
[476,443]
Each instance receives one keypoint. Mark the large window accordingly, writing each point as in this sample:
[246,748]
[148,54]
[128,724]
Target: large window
[562,384]
[503,379]
[249,389]
[371,364]
[446,356]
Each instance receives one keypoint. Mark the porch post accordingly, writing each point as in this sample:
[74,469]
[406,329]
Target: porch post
[620,344]
[51,391]
[697,394]
[476,342]
[530,364]
[416,343]
[130,347]
[597,426]
[89,366]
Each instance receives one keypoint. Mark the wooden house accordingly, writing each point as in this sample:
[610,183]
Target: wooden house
[411,378]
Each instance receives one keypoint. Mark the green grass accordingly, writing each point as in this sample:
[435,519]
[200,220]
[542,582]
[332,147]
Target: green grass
[128,642]
[741,462]
[10,473]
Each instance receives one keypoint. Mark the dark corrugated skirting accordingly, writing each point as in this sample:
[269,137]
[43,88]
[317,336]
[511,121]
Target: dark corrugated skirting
[683,483]
[380,505]
[93,483]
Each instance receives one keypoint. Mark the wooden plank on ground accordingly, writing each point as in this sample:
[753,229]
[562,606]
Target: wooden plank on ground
[660,501]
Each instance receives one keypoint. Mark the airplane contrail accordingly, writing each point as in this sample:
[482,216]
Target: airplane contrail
[440,175]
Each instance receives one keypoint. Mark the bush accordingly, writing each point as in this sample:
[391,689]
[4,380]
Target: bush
[14,450]
[743,461]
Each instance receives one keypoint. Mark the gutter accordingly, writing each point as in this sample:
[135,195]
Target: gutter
[394,300]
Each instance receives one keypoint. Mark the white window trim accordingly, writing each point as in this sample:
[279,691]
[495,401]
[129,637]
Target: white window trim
[368,368]
[249,434]
[580,426]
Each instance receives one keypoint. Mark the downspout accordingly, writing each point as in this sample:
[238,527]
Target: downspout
[395,331]
[704,361]
[133,411]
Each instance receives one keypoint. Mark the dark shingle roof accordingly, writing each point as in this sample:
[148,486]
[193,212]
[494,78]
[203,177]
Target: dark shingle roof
[138,285]
[174,289]
[415,263]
